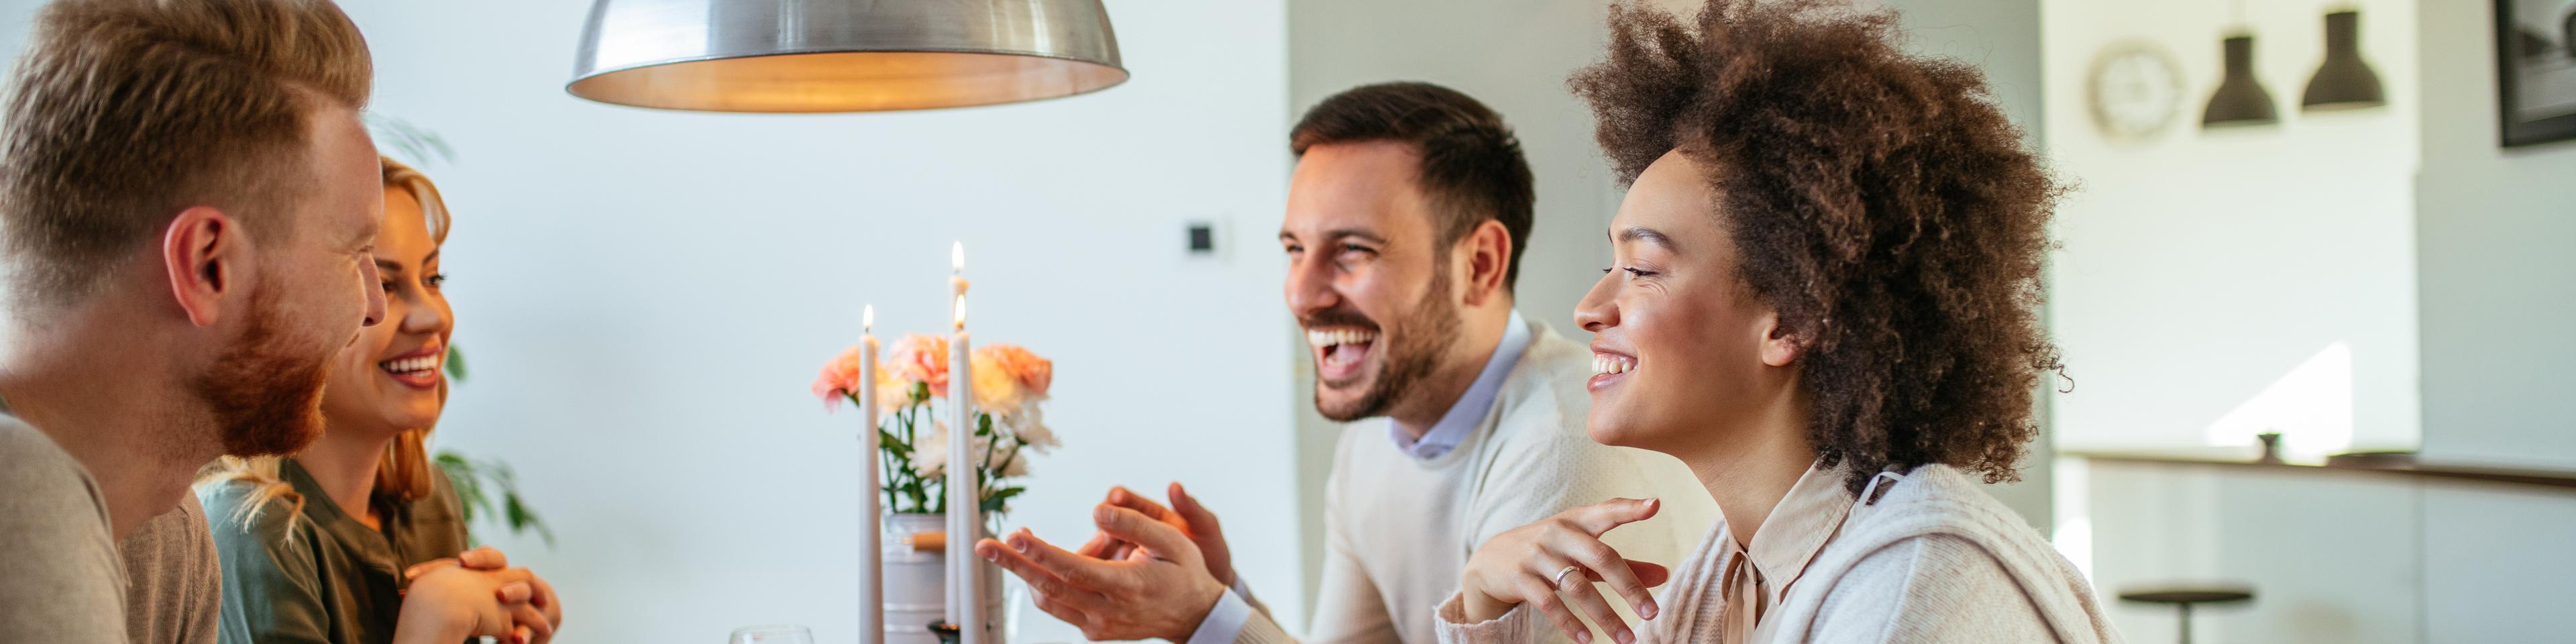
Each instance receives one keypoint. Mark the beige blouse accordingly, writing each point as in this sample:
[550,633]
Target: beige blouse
[1753,578]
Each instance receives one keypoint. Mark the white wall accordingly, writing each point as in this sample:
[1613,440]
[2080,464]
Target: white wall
[2216,283]
[2498,278]
[2334,557]
[2498,286]
[2199,268]
[643,297]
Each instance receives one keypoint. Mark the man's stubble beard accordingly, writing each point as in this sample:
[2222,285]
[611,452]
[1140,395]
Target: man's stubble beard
[1413,351]
[262,395]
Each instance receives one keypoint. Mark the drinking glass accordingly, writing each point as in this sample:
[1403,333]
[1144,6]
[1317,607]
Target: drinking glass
[773,634]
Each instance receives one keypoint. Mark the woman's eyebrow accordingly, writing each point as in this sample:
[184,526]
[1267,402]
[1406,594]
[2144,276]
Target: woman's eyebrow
[1644,234]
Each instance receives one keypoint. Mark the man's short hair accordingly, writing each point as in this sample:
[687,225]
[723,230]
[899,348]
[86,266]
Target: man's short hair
[1471,164]
[122,113]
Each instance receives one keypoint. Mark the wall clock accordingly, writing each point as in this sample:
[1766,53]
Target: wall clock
[2134,90]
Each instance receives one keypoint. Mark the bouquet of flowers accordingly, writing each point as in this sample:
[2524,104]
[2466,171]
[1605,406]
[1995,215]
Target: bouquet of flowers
[1009,383]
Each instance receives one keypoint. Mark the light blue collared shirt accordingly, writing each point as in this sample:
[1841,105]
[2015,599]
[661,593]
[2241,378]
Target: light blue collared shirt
[1462,418]
[1225,620]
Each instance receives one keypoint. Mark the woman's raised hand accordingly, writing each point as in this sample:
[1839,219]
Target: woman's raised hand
[1532,564]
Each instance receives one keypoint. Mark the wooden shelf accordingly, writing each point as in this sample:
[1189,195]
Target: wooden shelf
[2394,463]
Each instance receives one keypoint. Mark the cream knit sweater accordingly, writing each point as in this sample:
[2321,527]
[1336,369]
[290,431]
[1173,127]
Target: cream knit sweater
[1398,530]
[1932,560]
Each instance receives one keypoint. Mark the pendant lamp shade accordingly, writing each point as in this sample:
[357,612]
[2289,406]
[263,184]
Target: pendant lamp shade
[842,55]
[2240,99]
[2344,81]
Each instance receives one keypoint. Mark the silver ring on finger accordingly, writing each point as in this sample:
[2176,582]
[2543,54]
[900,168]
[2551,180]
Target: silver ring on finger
[1560,576]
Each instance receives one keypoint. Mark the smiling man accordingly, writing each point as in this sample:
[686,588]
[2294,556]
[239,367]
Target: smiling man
[1407,216]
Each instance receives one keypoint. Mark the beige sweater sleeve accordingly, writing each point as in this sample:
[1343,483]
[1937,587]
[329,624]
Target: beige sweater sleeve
[1261,630]
[1514,627]
[1936,588]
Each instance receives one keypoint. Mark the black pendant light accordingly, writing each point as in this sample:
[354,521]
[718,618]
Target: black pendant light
[2344,81]
[2240,99]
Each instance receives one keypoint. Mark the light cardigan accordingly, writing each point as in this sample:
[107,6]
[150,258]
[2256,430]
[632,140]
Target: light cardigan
[1398,529]
[1933,559]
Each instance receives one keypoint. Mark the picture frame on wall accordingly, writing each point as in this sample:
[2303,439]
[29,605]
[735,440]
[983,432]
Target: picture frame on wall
[2536,70]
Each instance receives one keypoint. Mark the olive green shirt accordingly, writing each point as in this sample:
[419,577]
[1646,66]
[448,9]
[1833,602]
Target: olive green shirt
[326,578]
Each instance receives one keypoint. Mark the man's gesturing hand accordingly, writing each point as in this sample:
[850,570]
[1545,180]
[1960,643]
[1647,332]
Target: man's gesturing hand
[1531,564]
[1185,514]
[1161,590]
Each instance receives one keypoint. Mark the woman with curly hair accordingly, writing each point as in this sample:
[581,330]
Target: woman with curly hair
[1826,304]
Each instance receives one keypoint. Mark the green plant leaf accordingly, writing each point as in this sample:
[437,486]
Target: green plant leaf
[455,364]
[474,482]
[994,500]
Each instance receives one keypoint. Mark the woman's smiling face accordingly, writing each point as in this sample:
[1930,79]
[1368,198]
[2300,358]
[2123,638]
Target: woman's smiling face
[1683,350]
[391,379]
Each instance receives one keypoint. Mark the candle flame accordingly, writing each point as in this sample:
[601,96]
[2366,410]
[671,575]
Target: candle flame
[961,311]
[867,318]
[957,257]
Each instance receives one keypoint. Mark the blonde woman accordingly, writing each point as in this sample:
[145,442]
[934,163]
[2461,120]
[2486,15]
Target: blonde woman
[357,538]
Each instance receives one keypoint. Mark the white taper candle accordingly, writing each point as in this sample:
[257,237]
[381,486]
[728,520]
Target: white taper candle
[871,511]
[966,606]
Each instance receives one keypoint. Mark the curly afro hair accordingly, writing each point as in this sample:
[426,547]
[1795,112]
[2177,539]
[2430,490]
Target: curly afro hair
[1879,201]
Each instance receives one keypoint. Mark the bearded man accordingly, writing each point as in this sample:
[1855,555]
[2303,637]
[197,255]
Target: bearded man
[1407,216]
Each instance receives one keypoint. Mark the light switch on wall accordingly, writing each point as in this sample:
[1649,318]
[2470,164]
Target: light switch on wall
[1202,238]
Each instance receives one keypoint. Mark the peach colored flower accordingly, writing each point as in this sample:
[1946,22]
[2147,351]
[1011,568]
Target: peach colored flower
[839,376]
[1033,373]
[996,391]
[919,357]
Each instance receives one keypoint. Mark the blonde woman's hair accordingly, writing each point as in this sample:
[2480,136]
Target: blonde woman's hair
[404,470]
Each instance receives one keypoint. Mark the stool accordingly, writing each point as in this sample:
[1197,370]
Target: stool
[2182,596]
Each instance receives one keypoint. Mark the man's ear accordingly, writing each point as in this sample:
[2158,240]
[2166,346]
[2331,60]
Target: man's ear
[1781,346]
[1488,251]
[204,254]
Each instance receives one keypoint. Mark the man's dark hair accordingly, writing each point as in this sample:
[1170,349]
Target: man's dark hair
[1471,164]
[1878,199]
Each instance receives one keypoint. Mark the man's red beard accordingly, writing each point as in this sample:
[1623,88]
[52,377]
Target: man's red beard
[266,398]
